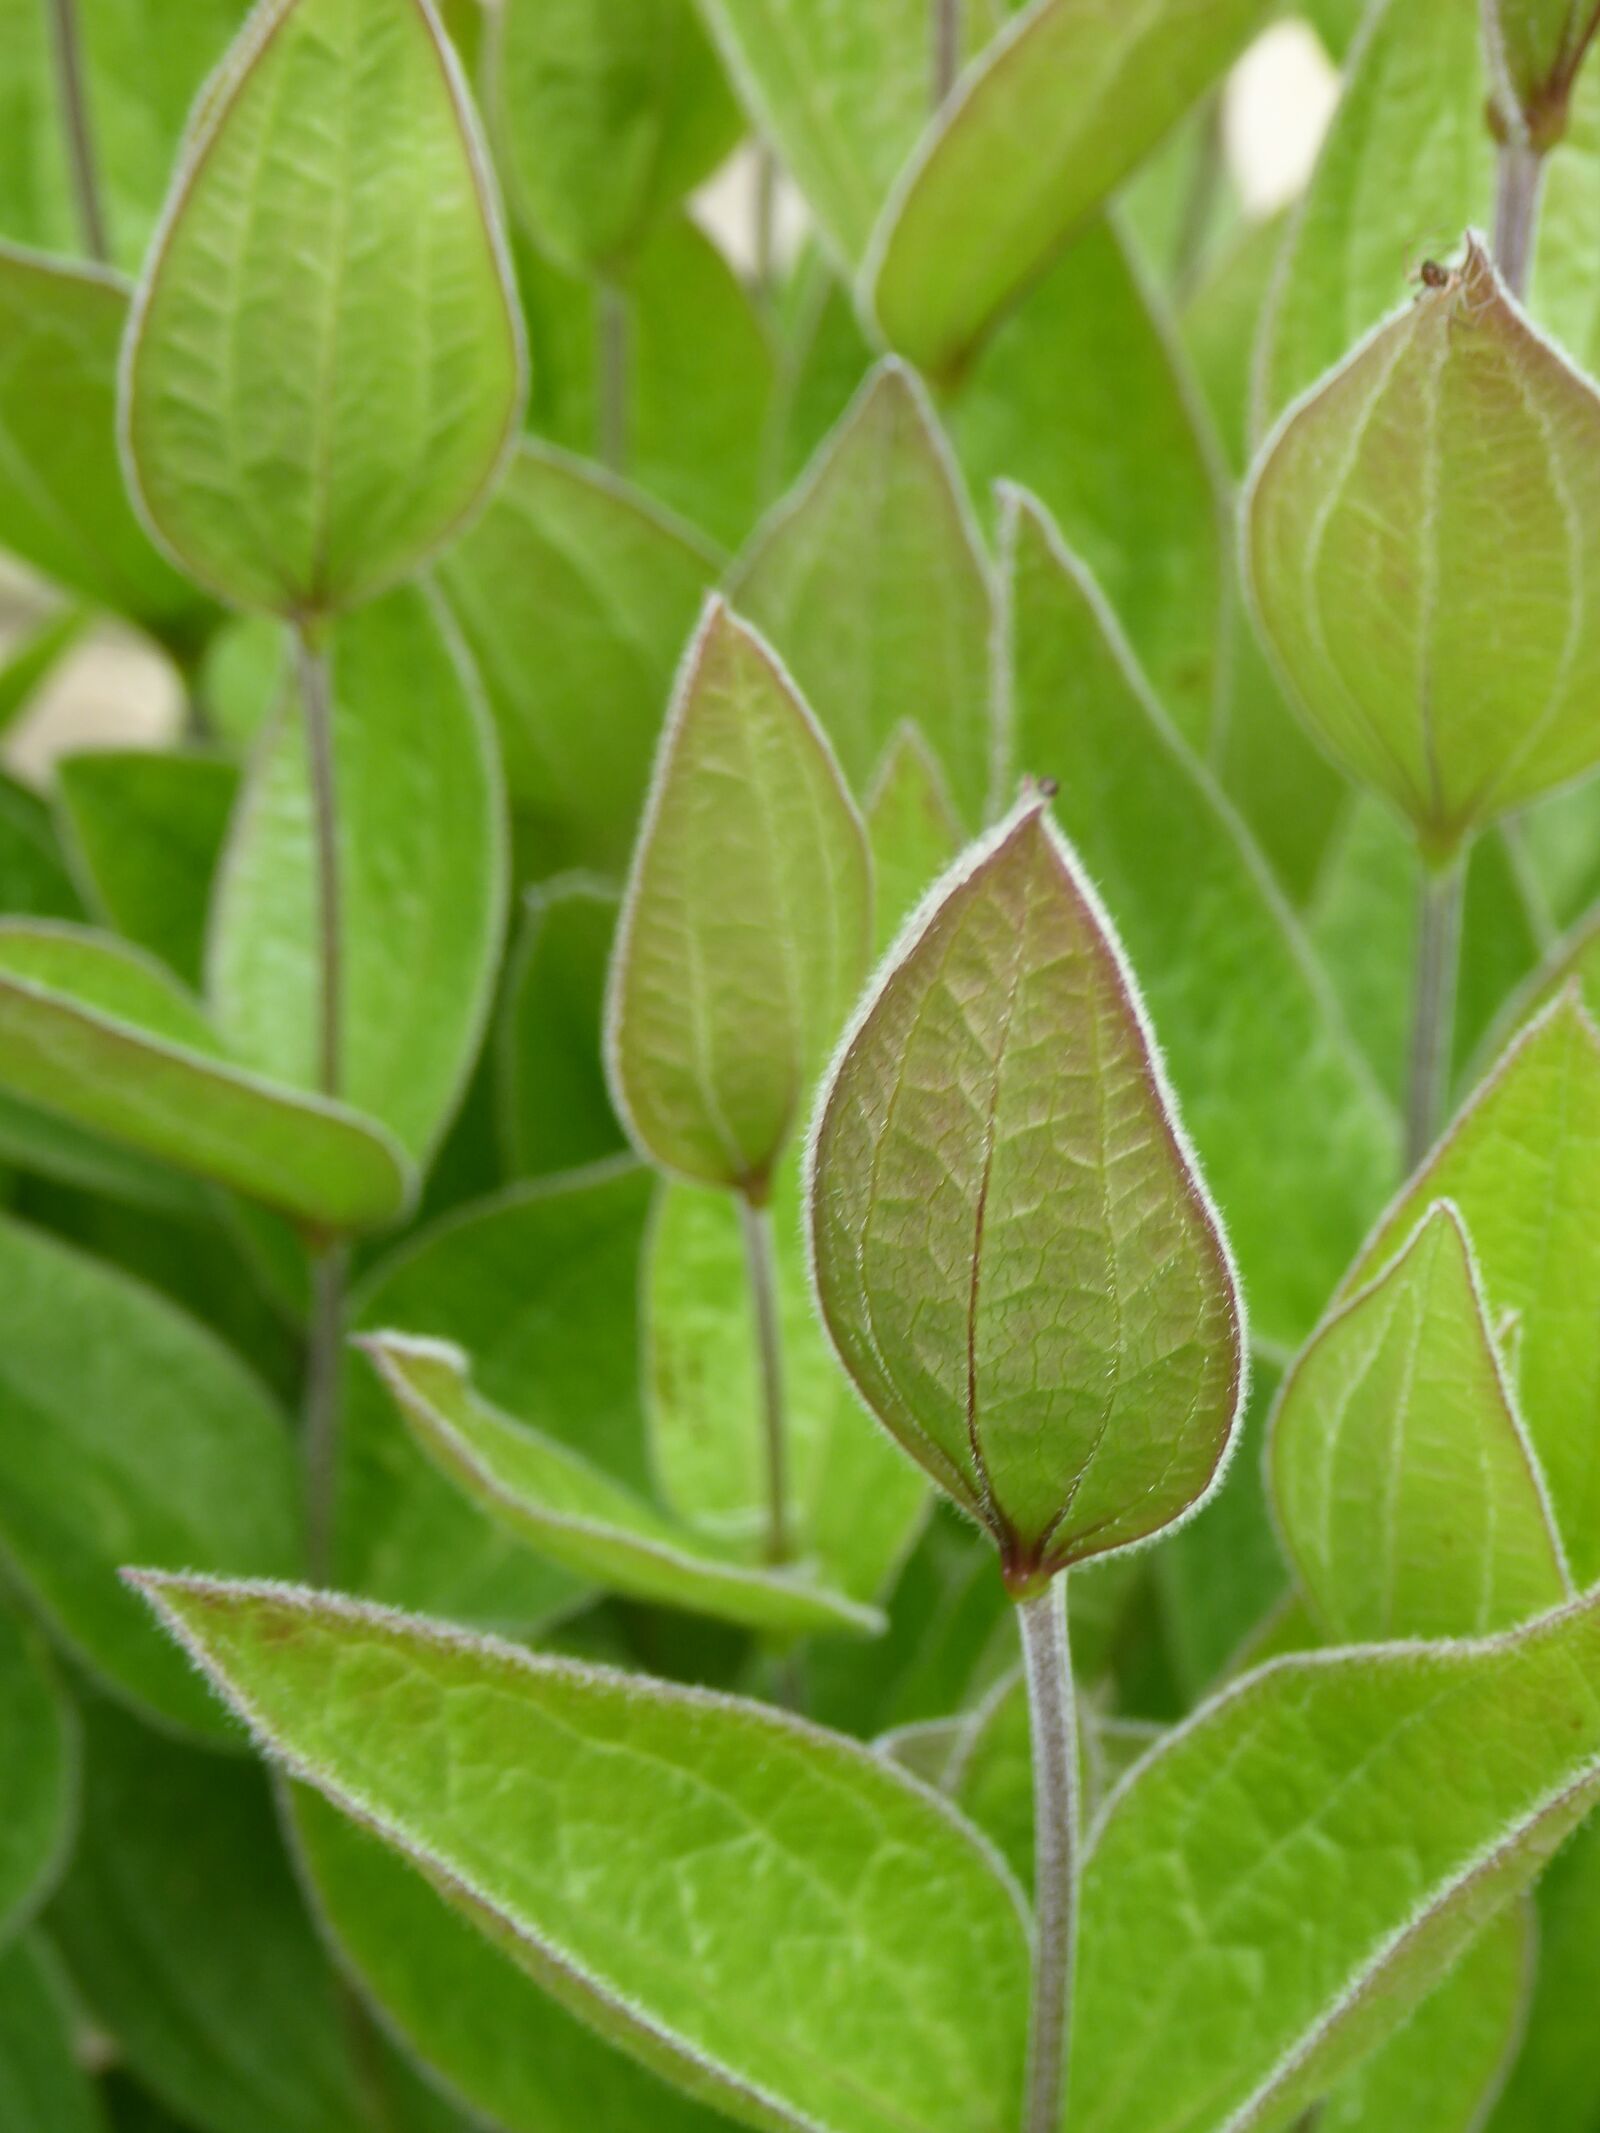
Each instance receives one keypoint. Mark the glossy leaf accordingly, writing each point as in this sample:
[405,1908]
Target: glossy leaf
[1397,1796]
[1409,1497]
[747,925]
[568,1509]
[43,2089]
[912,827]
[1204,927]
[1057,112]
[574,596]
[475,2017]
[1452,462]
[147,827]
[540,1286]
[605,115]
[1014,1254]
[422,872]
[871,583]
[148,1441]
[619,1784]
[104,1039]
[1520,1163]
[38,1773]
[553,1104]
[63,507]
[316,397]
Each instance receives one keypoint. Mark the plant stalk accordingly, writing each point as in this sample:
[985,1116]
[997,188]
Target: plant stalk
[764,210]
[324,1347]
[80,135]
[1053,1715]
[615,356]
[1433,1011]
[755,1223]
[948,29]
[1518,179]
[316,694]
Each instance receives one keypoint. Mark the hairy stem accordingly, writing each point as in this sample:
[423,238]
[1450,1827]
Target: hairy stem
[1518,179]
[1433,1009]
[324,1347]
[615,357]
[316,694]
[948,29]
[755,1224]
[80,134]
[1053,1713]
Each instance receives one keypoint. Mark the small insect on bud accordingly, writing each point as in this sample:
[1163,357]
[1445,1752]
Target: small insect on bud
[1433,276]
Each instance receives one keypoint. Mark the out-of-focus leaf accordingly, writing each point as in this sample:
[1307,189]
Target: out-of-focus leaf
[823,361]
[36,205]
[913,830]
[128,1433]
[871,582]
[27,666]
[316,397]
[34,880]
[38,1772]
[1219,324]
[43,2089]
[148,827]
[771,1830]
[747,926]
[1534,49]
[553,1106]
[1555,2082]
[575,597]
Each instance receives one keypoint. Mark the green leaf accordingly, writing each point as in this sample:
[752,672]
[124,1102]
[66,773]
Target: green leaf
[553,1104]
[570,1510]
[1219,323]
[1453,460]
[1396,1798]
[1555,2083]
[475,2018]
[855,1502]
[147,827]
[38,1773]
[1053,117]
[747,924]
[991,1774]
[1407,165]
[316,397]
[34,881]
[128,1431]
[1522,1165]
[824,361]
[103,1038]
[540,1286]
[605,115]
[1082,395]
[1534,49]
[63,506]
[183,1930]
[1409,1498]
[43,2089]
[912,827]
[1441,2072]
[36,204]
[423,879]
[842,94]
[871,583]
[995,1139]
[28,665]
[1206,925]
[826,1889]
[574,596]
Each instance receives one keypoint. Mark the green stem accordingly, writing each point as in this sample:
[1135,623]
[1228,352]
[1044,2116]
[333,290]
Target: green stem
[1433,1010]
[1053,1714]
[80,134]
[323,1351]
[1518,178]
[614,360]
[316,694]
[755,1222]
[765,211]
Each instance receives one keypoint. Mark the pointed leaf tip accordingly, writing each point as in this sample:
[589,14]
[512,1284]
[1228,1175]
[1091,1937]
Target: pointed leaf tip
[1014,1253]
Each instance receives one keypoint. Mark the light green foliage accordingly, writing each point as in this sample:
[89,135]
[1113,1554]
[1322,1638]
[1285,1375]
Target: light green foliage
[28,664]
[1057,112]
[990,1777]
[316,397]
[147,1442]
[812,1869]
[63,507]
[1440,2072]
[539,1286]
[42,2087]
[1409,1498]
[105,1039]
[747,925]
[912,827]
[35,196]
[1555,2083]
[568,1509]
[501,2042]
[870,581]
[574,596]
[146,827]
[1396,1797]
[605,112]
[553,1104]
[856,1501]
[1014,1255]
[1082,395]
[1206,927]
[1534,50]
[1520,1165]
[422,880]
[1445,482]
[38,1772]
